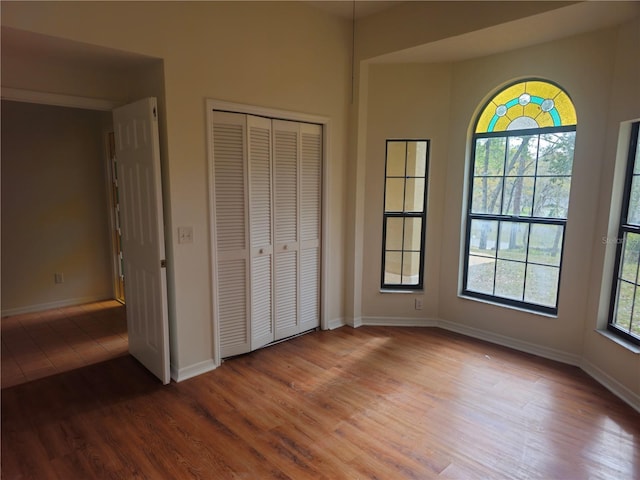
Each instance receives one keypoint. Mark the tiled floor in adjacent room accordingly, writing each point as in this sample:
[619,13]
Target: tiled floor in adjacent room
[40,344]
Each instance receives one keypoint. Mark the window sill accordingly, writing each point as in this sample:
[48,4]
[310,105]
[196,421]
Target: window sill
[390,290]
[503,305]
[632,347]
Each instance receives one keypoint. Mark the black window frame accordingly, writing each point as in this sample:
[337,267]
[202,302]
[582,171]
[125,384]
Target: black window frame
[396,214]
[505,218]
[623,228]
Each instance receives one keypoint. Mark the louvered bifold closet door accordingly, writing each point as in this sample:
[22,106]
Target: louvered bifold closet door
[286,154]
[230,232]
[261,232]
[310,215]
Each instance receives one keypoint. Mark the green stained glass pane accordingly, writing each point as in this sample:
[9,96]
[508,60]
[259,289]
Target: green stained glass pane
[396,159]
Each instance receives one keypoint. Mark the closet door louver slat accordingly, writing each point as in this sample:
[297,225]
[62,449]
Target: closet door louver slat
[232,311]
[260,216]
[232,259]
[229,184]
[261,302]
[310,214]
[286,159]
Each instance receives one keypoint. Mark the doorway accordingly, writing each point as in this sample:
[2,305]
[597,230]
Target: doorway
[55,243]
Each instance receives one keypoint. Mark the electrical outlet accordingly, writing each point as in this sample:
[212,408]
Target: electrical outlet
[185,234]
[418,304]
[58,277]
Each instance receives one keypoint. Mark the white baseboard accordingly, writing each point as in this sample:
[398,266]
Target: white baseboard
[51,305]
[336,323]
[399,322]
[607,381]
[539,350]
[180,374]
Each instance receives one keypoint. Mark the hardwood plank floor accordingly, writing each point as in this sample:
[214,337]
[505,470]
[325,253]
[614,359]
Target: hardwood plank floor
[39,344]
[366,403]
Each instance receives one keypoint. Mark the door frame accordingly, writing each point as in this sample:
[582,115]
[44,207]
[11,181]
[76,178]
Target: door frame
[114,221]
[222,105]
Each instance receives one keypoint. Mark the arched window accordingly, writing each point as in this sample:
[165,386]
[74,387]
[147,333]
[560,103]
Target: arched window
[520,177]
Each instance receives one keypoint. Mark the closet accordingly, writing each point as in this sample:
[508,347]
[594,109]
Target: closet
[267,214]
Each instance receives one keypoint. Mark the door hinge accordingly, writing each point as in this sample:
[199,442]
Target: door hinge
[163,263]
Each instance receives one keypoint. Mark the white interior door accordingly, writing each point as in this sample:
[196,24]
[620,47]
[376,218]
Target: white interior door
[286,154]
[230,235]
[139,182]
[310,219]
[261,231]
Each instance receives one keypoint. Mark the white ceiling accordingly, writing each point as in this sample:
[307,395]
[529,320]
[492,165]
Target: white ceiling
[551,25]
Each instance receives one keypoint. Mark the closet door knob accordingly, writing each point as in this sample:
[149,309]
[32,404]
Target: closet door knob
[285,247]
[261,251]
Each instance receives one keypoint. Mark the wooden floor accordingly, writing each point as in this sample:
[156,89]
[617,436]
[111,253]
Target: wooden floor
[36,345]
[366,403]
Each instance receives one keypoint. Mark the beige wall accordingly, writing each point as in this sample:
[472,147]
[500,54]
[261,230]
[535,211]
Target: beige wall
[405,101]
[54,207]
[439,101]
[600,352]
[285,55]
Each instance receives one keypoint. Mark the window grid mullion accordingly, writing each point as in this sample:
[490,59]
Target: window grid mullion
[404,211]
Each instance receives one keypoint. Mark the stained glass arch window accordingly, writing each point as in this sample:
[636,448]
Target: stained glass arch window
[525,105]
[520,183]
